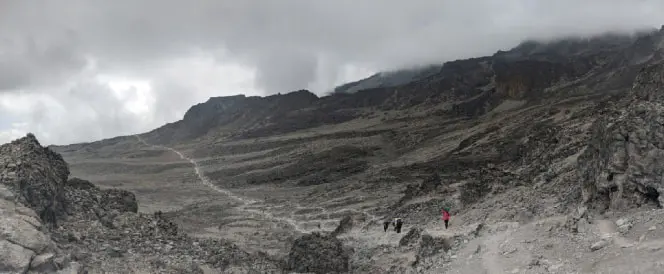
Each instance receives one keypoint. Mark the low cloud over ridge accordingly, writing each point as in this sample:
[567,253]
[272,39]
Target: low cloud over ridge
[80,70]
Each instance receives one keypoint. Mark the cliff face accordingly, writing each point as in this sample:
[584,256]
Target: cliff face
[622,166]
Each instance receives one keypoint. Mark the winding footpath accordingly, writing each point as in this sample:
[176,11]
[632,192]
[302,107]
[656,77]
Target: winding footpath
[245,201]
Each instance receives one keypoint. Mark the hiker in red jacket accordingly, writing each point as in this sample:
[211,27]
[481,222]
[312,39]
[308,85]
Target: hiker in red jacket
[446,216]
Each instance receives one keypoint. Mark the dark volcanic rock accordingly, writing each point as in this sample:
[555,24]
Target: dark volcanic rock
[411,237]
[431,246]
[622,166]
[97,229]
[251,116]
[319,168]
[36,174]
[318,253]
[84,198]
[31,179]
[345,225]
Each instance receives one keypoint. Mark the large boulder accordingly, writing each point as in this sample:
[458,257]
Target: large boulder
[23,245]
[622,166]
[318,253]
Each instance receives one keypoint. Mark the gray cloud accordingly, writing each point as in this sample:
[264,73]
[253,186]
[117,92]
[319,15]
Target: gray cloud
[75,115]
[293,34]
[288,45]
[26,63]
[285,69]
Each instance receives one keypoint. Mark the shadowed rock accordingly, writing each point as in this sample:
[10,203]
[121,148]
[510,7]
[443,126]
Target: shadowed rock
[411,237]
[621,167]
[345,225]
[430,246]
[89,201]
[36,174]
[318,253]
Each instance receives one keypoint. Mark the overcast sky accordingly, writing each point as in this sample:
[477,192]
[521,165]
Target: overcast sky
[82,70]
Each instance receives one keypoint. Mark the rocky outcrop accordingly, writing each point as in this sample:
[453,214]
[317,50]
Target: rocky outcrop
[243,115]
[93,229]
[152,243]
[621,167]
[31,188]
[85,200]
[318,253]
[36,174]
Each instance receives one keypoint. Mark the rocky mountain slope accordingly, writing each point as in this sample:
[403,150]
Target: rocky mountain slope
[52,223]
[389,79]
[547,154]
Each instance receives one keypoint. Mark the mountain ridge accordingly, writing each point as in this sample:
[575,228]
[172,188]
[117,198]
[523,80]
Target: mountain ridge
[530,50]
[488,87]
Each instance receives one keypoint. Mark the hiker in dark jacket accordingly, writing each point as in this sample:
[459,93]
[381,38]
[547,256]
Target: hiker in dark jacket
[397,222]
[386,224]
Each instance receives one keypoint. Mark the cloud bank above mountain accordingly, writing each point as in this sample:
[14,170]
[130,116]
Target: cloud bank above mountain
[81,70]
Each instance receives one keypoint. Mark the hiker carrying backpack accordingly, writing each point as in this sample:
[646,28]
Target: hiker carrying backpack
[397,222]
[446,216]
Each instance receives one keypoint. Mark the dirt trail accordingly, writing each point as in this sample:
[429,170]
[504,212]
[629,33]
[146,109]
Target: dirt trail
[254,206]
[200,176]
[491,258]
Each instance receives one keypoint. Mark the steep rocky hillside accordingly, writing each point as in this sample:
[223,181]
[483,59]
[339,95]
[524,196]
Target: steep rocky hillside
[538,150]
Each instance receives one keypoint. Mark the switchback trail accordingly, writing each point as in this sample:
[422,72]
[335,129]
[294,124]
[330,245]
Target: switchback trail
[245,200]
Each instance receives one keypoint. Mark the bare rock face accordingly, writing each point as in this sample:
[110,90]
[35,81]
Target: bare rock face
[36,174]
[23,245]
[318,253]
[31,184]
[622,166]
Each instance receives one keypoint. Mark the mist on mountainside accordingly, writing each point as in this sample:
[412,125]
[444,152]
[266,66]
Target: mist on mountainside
[107,70]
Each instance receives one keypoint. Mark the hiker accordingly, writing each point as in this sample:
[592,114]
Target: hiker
[446,216]
[397,222]
[386,224]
